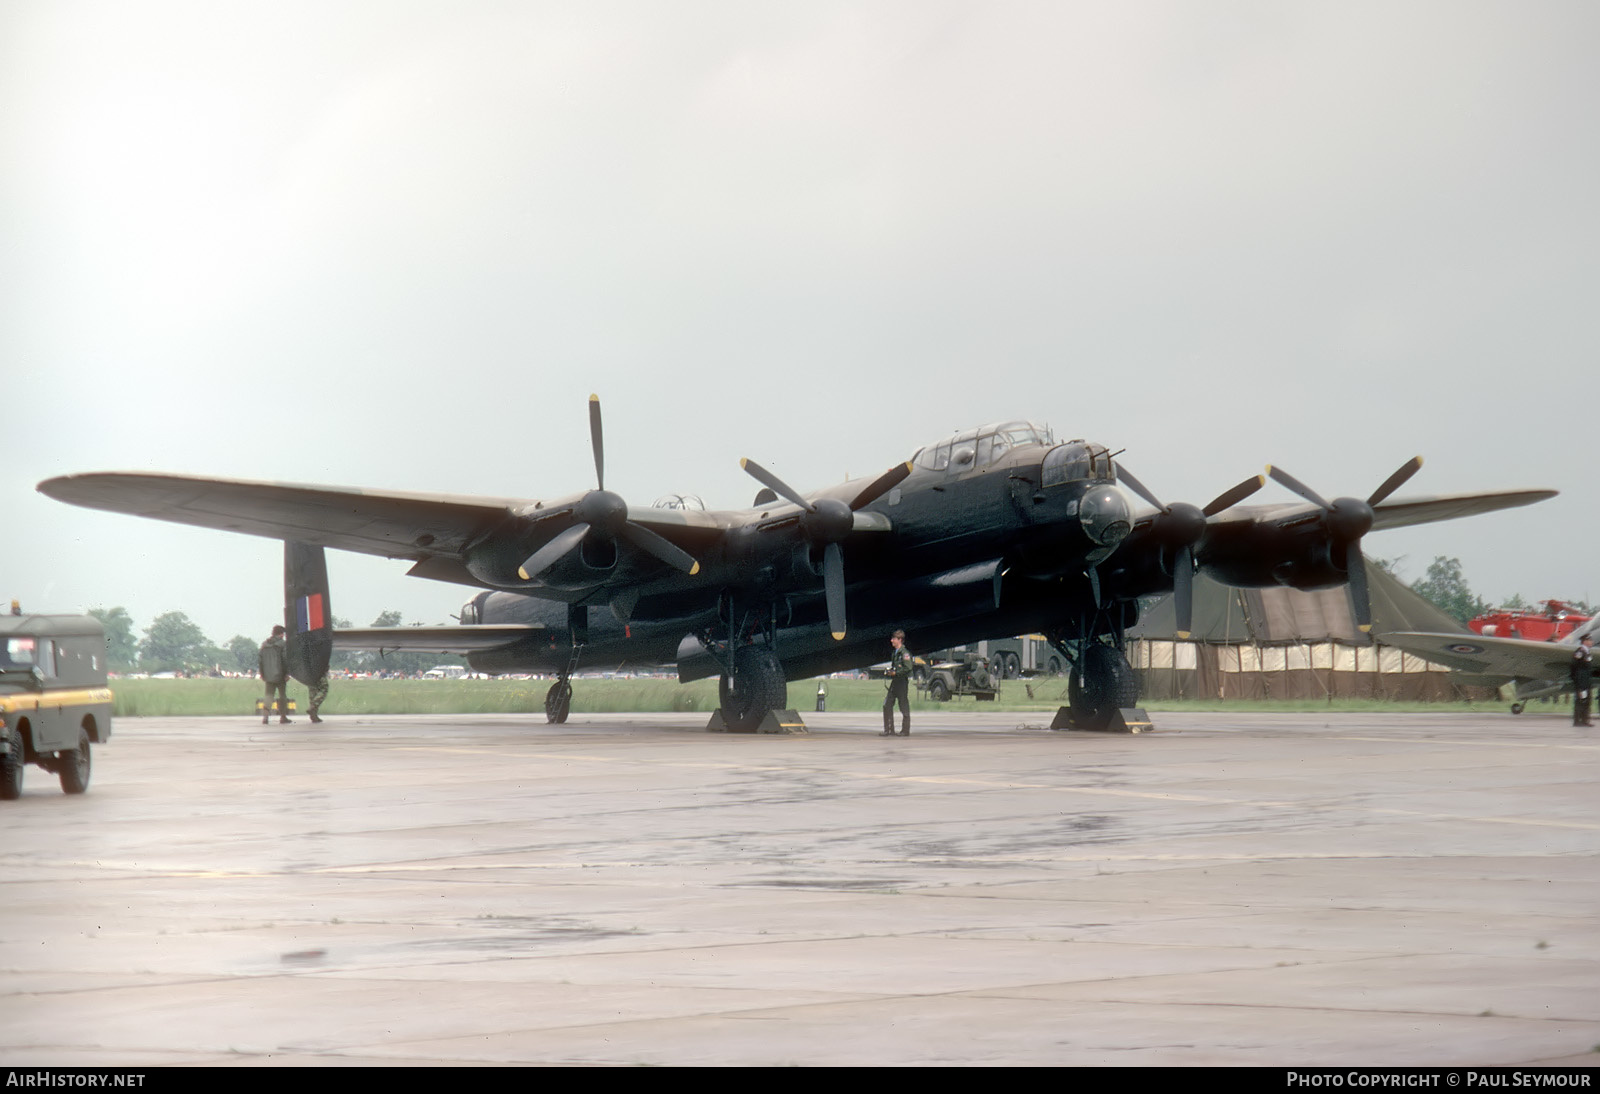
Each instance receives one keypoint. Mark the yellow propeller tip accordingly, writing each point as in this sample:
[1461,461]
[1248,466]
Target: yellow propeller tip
[694,569]
[523,574]
[1181,634]
[1364,628]
[594,398]
[838,636]
[744,462]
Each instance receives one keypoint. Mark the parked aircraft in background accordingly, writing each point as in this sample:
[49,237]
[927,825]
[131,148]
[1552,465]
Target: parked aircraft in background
[995,531]
[1537,669]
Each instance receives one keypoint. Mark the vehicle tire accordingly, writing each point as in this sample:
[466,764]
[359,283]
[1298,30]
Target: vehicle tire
[11,766]
[558,702]
[1007,665]
[74,770]
[1054,667]
[1102,682]
[757,686]
[938,691]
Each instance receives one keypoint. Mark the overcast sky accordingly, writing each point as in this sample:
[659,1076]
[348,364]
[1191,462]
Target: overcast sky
[398,244]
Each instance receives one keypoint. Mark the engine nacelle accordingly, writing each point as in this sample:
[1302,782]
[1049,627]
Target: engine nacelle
[1260,556]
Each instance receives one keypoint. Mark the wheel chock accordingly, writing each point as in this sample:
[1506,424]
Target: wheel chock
[776,721]
[1125,720]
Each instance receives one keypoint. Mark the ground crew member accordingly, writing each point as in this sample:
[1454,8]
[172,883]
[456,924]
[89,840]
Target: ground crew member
[319,695]
[1582,672]
[273,661]
[900,669]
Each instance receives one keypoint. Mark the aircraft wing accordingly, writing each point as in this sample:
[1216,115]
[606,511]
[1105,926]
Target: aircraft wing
[391,524]
[1397,512]
[1514,657]
[465,639]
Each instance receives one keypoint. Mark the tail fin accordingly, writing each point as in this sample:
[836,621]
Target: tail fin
[307,611]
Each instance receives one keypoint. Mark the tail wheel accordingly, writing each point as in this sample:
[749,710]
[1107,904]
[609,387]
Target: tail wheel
[1102,682]
[74,770]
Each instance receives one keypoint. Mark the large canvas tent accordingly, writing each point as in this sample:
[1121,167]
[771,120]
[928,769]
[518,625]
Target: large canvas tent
[1283,643]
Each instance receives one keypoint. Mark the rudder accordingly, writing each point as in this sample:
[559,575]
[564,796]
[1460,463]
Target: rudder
[307,611]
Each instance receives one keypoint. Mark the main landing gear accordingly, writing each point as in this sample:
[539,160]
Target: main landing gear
[558,700]
[1103,689]
[1102,684]
[753,693]
[755,688]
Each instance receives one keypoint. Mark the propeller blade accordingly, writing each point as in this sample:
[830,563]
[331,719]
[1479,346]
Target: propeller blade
[881,485]
[1229,498]
[652,543]
[1396,480]
[1283,477]
[552,552]
[1125,477]
[833,585]
[597,440]
[773,483]
[1183,590]
[1094,584]
[1360,598]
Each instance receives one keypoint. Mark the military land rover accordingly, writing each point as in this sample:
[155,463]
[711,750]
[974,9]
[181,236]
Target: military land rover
[53,697]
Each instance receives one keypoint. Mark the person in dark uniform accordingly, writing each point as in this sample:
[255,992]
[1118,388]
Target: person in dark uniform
[900,669]
[1582,672]
[273,660]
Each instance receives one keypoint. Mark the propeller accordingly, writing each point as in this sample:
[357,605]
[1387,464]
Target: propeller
[605,514]
[1180,525]
[827,521]
[1347,520]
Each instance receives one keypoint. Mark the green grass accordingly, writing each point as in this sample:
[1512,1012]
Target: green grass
[208,697]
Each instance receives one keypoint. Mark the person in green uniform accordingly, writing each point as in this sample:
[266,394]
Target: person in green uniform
[273,660]
[900,669]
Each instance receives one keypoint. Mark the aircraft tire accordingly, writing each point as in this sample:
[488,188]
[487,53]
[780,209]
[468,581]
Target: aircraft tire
[11,767]
[1102,682]
[757,686]
[75,765]
[558,702]
[1518,708]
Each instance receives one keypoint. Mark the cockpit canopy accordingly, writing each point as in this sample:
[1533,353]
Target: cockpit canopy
[1075,461]
[980,447]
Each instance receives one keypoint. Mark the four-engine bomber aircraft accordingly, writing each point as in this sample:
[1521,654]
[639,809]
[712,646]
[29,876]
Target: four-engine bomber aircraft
[991,532]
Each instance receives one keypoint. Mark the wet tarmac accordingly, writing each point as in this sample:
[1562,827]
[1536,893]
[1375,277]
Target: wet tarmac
[1259,889]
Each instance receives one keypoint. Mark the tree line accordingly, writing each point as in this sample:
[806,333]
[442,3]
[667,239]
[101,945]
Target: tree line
[175,643]
[1444,585]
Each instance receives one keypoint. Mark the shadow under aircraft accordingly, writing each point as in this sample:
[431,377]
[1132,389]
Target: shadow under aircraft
[990,532]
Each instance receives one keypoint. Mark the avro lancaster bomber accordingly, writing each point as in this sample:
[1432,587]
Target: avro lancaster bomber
[991,532]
